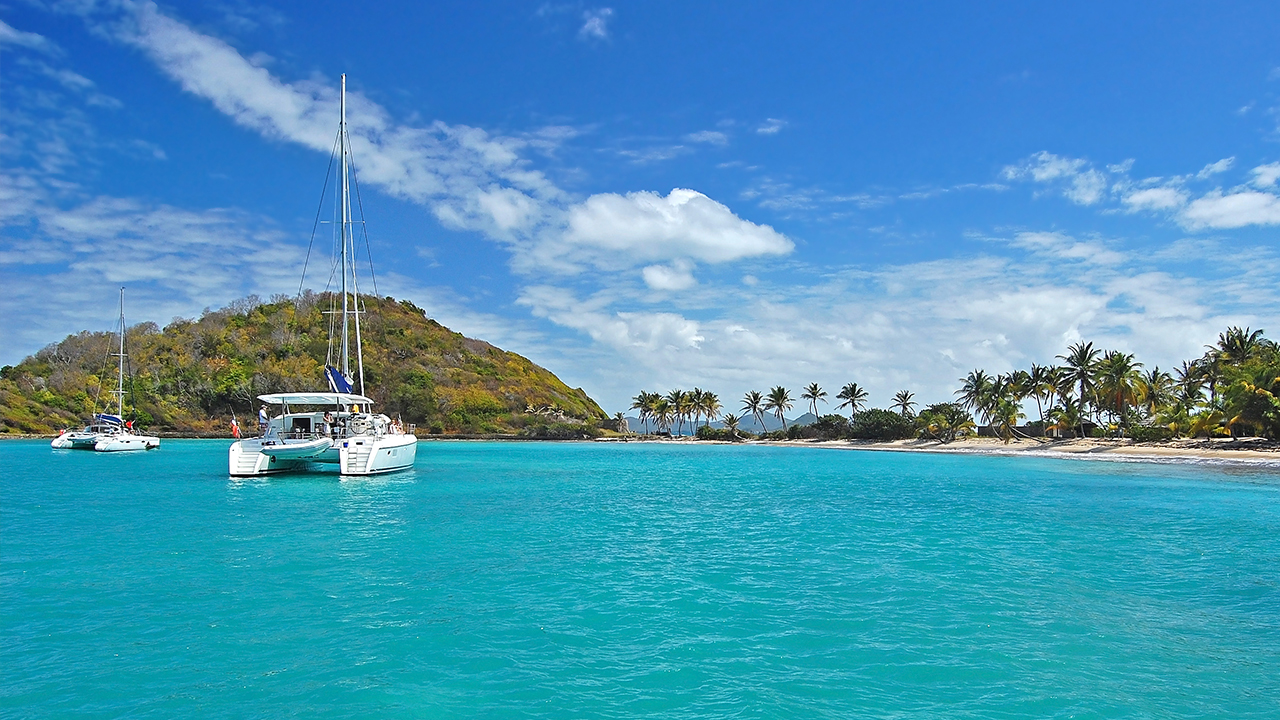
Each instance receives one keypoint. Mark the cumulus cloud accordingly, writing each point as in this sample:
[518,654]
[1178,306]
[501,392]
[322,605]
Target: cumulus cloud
[1216,210]
[1265,176]
[1079,181]
[645,226]
[469,178]
[676,276]
[1157,198]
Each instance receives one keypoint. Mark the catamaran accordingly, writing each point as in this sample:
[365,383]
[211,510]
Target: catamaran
[336,427]
[106,432]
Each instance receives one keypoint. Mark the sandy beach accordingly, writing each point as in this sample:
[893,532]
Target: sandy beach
[1250,450]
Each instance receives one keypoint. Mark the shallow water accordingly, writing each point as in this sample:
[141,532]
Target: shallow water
[603,580]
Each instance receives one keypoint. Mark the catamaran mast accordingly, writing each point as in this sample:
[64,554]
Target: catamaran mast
[346,220]
[120,371]
[348,254]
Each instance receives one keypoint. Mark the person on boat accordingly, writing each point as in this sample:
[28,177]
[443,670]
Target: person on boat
[235,428]
[262,417]
[327,427]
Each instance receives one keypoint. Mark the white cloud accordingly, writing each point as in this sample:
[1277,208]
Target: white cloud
[918,326]
[1158,198]
[10,35]
[771,126]
[1265,176]
[595,25]
[1216,210]
[1215,168]
[676,276]
[612,230]
[1078,180]
[1063,246]
[711,137]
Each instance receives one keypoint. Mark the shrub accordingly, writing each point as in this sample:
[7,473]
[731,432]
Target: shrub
[1151,433]
[560,431]
[706,432]
[877,424]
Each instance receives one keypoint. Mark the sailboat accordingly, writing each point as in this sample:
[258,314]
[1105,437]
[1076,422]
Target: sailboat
[107,432]
[337,427]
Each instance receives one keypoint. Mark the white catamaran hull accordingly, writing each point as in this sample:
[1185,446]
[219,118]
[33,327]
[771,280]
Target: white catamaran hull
[358,455]
[370,455]
[126,442]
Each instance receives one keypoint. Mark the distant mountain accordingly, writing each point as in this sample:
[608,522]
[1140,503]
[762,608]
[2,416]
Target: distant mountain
[193,374]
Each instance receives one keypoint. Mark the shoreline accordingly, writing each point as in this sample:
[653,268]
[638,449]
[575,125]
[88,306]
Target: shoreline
[1253,452]
[1183,451]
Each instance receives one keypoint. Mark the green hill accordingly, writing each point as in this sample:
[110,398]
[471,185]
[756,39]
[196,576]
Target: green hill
[190,376]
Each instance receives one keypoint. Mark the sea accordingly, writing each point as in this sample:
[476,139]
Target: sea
[624,580]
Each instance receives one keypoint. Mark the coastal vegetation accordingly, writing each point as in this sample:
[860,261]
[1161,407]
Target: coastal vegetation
[1233,389]
[192,375]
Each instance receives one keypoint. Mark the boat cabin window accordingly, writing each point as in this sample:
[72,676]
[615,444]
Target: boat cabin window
[300,424]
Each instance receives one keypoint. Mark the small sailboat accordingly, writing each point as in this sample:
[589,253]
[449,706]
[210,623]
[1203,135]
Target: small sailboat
[106,432]
[336,427]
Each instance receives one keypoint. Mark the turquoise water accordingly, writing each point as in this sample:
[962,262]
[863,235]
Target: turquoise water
[590,580]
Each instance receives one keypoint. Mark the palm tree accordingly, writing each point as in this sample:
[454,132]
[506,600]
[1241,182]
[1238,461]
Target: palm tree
[753,402]
[902,400]
[710,407]
[1038,382]
[1156,390]
[731,424]
[643,403]
[677,404]
[1118,379]
[976,391]
[662,414]
[813,394]
[853,396]
[779,401]
[1189,381]
[695,405]
[1236,345]
[1081,363]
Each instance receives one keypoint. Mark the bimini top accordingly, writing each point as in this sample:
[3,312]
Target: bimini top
[314,398]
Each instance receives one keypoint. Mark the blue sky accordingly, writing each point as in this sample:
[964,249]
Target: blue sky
[657,195]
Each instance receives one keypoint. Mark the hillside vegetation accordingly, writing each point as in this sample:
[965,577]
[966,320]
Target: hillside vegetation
[190,376]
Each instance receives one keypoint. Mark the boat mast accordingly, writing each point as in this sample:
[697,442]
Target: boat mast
[120,371]
[346,220]
[348,254]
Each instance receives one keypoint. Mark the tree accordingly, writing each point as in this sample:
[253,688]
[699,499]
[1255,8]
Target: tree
[902,400]
[662,414]
[1156,391]
[854,398]
[976,390]
[779,401]
[944,422]
[731,424]
[1081,362]
[643,403]
[753,402]
[1117,384]
[710,407]
[813,394]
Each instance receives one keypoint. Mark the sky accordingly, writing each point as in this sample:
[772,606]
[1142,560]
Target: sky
[651,195]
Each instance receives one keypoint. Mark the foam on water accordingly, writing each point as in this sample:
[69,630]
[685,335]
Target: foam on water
[593,580]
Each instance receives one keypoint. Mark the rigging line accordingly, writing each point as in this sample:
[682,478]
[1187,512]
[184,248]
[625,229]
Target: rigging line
[364,226]
[328,171]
